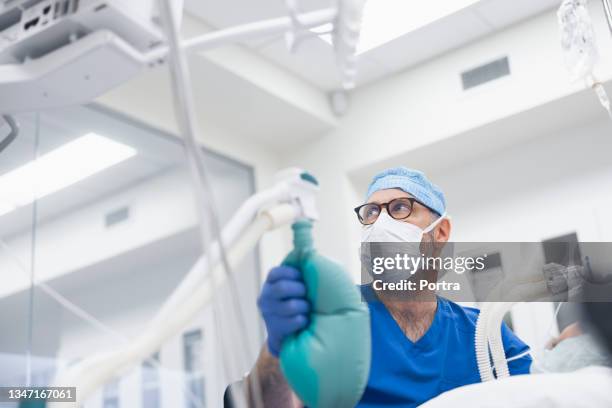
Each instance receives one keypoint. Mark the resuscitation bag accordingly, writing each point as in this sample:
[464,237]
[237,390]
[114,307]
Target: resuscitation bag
[32,404]
[327,364]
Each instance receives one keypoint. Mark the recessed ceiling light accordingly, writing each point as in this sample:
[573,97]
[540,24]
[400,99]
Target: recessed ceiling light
[60,168]
[386,20]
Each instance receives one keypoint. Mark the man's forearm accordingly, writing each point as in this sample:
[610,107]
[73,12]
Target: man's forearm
[268,377]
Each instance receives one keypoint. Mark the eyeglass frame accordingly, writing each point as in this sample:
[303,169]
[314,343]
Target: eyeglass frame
[412,200]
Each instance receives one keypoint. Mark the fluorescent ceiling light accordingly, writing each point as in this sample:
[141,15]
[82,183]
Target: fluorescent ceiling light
[386,20]
[60,168]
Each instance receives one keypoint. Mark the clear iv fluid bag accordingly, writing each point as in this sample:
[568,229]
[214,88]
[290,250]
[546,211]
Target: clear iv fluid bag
[579,46]
[577,39]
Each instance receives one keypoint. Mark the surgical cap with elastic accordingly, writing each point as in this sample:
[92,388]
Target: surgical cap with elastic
[412,182]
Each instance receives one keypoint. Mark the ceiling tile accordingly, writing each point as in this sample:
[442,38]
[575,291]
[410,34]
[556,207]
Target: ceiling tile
[262,115]
[429,41]
[502,13]
[314,61]
[233,12]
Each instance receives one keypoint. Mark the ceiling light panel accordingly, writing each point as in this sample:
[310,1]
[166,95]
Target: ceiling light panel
[59,169]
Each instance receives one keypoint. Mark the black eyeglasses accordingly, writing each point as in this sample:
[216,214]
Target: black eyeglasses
[399,209]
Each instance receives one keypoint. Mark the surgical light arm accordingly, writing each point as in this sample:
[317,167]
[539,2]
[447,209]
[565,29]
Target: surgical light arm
[346,19]
[291,198]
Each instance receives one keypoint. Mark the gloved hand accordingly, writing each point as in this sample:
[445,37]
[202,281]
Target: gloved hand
[283,305]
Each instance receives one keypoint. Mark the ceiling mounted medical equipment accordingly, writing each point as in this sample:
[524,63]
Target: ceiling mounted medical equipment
[345,35]
[579,46]
[56,53]
[346,38]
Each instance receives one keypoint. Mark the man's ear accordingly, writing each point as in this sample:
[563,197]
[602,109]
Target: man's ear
[442,231]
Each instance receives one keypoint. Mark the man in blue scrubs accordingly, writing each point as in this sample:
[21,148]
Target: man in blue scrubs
[420,347]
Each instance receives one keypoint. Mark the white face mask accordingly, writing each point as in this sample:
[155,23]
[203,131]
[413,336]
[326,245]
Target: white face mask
[387,229]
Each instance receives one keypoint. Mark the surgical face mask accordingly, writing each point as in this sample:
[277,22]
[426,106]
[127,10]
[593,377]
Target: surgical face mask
[387,229]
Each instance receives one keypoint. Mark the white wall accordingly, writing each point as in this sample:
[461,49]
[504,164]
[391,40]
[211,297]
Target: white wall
[148,99]
[548,187]
[424,106]
[80,239]
[172,378]
[520,158]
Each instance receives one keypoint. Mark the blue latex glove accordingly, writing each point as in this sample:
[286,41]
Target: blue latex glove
[283,305]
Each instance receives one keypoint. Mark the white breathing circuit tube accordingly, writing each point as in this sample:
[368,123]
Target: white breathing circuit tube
[243,216]
[90,373]
[488,336]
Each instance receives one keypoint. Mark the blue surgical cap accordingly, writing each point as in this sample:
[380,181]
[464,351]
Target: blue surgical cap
[412,182]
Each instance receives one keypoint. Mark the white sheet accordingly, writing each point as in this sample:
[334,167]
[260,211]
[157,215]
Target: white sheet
[589,387]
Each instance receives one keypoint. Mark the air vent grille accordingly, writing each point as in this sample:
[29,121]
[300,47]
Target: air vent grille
[485,73]
[117,216]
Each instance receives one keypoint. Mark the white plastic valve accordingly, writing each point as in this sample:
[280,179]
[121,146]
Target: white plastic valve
[301,188]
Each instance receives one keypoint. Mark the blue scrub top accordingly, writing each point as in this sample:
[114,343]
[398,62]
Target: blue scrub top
[405,373]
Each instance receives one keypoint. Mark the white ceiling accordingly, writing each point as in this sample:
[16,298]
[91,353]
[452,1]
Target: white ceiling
[253,113]
[314,60]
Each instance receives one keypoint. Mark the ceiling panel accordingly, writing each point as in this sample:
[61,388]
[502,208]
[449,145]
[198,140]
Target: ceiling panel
[369,70]
[315,62]
[243,108]
[233,12]
[431,40]
[502,13]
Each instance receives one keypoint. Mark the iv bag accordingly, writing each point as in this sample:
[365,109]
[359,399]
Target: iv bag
[579,47]
[577,39]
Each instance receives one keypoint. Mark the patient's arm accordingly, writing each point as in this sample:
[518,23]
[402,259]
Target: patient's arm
[572,330]
[275,391]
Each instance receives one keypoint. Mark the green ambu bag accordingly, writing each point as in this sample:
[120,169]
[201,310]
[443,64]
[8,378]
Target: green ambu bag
[327,364]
